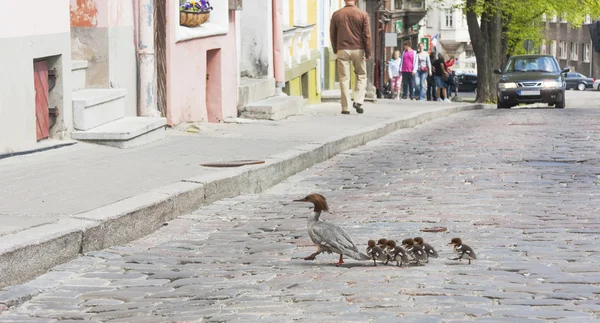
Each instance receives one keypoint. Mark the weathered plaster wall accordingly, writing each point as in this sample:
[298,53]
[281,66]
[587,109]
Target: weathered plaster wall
[102,33]
[24,36]
[187,73]
[257,39]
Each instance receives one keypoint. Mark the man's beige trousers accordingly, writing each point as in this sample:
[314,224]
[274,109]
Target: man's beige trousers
[357,57]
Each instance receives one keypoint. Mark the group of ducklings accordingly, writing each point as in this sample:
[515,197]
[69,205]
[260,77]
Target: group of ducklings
[415,250]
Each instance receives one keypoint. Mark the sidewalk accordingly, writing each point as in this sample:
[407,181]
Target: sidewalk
[57,204]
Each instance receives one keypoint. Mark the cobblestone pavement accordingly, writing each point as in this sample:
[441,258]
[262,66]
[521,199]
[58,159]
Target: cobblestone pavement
[519,186]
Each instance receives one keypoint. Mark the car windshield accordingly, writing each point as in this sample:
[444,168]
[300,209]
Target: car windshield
[532,64]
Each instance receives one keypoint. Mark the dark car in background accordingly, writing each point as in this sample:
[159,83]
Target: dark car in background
[579,81]
[531,79]
[467,82]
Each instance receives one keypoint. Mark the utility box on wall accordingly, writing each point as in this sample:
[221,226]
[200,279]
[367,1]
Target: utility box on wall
[235,4]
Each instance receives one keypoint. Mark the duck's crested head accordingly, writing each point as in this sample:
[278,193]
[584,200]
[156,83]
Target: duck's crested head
[317,200]
[456,242]
[408,242]
[382,241]
[371,243]
[419,240]
[390,243]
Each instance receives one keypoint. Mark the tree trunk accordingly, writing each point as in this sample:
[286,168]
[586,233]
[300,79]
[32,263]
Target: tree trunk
[486,39]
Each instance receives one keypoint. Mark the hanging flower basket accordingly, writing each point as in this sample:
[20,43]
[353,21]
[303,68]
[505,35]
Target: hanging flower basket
[194,13]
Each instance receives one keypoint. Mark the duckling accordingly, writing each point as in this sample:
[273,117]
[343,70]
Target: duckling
[417,253]
[396,253]
[382,243]
[426,247]
[462,250]
[376,252]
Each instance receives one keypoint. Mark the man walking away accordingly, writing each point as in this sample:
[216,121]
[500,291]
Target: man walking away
[409,69]
[350,35]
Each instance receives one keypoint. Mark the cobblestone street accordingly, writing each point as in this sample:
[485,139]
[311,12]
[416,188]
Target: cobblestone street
[519,186]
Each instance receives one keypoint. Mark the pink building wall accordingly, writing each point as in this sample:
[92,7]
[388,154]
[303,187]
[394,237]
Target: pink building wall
[190,96]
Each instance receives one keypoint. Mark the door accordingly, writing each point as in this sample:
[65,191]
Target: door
[571,80]
[40,82]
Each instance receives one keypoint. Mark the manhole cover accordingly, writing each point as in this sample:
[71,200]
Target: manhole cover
[434,229]
[233,163]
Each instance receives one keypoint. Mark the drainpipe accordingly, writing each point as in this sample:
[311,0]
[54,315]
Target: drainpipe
[278,56]
[146,62]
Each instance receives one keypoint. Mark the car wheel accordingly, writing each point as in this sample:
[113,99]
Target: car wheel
[581,87]
[598,87]
[501,105]
[475,90]
[560,104]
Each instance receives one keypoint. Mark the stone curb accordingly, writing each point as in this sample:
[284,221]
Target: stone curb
[39,249]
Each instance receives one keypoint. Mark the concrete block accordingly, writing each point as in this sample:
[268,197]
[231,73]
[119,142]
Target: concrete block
[274,108]
[253,90]
[126,132]
[78,74]
[223,184]
[126,220]
[331,96]
[39,249]
[95,107]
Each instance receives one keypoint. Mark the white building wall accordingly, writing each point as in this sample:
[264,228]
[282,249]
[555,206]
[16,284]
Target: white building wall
[256,33]
[24,36]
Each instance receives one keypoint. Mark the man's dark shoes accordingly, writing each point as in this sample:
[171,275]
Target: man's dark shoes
[357,107]
[345,112]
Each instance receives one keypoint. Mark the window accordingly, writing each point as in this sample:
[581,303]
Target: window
[469,53]
[449,17]
[553,48]
[530,64]
[574,51]
[398,4]
[543,49]
[562,50]
[553,19]
[588,20]
[544,18]
[417,4]
[586,52]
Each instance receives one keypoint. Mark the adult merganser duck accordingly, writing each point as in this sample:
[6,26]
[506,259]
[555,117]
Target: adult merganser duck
[426,247]
[375,252]
[327,236]
[462,250]
[396,253]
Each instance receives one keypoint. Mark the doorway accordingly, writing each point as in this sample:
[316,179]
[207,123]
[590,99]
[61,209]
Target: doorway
[214,89]
[42,115]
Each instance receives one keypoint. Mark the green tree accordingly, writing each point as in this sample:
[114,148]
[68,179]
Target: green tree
[499,27]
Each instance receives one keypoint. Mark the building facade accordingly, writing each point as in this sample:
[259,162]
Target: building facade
[572,47]
[35,85]
[450,26]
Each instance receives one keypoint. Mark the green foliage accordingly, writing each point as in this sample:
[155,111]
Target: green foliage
[523,18]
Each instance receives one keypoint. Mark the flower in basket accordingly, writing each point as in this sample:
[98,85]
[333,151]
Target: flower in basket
[196,6]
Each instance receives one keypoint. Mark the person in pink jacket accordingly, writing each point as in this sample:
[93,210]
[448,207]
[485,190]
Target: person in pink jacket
[409,69]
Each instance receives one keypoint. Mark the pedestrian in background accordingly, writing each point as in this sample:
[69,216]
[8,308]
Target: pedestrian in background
[441,77]
[423,71]
[409,69]
[350,35]
[431,96]
[394,74]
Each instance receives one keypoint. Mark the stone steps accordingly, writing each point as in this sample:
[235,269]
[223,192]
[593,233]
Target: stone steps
[95,107]
[99,115]
[274,108]
[127,132]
